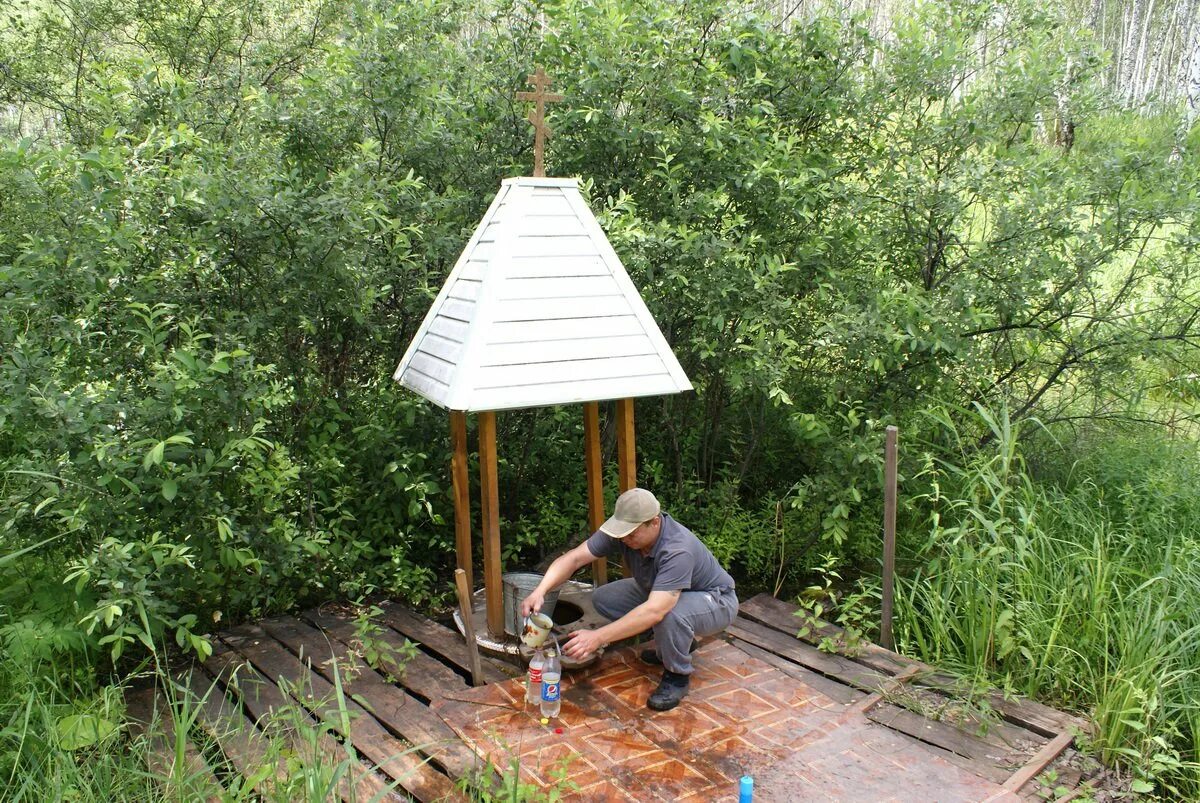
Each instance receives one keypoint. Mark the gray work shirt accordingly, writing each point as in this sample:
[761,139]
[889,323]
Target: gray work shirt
[678,561]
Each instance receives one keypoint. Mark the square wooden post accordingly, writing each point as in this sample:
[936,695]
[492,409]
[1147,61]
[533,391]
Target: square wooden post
[595,482]
[462,494]
[489,499]
[626,447]
[626,456]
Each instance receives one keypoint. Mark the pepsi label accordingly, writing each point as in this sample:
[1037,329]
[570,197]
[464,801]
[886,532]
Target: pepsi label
[550,692]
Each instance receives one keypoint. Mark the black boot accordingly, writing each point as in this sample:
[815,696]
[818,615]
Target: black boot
[651,656]
[670,691]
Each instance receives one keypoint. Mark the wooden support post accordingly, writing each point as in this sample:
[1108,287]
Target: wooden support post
[595,482]
[626,450]
[889,538]
[466,610]
[462,493]
[626,456]
[489,500]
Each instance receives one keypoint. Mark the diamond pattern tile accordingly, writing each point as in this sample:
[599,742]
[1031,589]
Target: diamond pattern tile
[741,716]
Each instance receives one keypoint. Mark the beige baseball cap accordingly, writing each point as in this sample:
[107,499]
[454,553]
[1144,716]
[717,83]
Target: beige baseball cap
[635,506]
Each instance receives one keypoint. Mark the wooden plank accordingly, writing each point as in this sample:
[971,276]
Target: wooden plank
[149,716]
[273,712]
[1039,762]
[532,373]
[832,666]
[563,224]
[560,308]
[448,328]
[838,692]
[549,393]
[441,640]
[432,366]
[578,245]
[399,711]
[913,725]
[466,610]
[442,347]
[595,482]
[489,495]
[780,616]
[555,287]
[465,289]
[247,748]
[549,331]
[983,758]
[549,267]
[558,350]
[458,310]
[462,493]
[1033,716]
[368,737]
[422,675]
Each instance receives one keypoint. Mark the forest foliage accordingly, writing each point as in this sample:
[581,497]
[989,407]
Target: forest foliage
[221,223]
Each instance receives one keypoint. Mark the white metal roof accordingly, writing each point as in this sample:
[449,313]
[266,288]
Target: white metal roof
[538,310]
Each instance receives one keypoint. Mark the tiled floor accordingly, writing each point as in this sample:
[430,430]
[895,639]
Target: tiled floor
[741,717]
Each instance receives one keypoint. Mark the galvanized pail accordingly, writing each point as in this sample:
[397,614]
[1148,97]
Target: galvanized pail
[518,586]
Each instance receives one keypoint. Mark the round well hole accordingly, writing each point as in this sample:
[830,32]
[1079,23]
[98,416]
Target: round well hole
[566,612]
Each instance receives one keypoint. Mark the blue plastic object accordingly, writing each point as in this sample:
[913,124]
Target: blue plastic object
[746,790]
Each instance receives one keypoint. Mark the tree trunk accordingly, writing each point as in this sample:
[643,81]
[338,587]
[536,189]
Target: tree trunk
[1128,51]
[1139,63]
[1190,73]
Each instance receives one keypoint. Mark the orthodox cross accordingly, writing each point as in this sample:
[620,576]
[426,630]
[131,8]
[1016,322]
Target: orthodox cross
[537,115]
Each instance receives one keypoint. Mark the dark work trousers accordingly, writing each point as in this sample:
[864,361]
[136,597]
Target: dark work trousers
[697,613]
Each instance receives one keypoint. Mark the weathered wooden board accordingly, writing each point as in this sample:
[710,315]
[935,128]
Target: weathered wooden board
[149,717]
[832,666]
[838,692]
[1041,719]
[982,758]
[245,745]
[253,678]
[441,640]
[369,738]
[399,711]
[423,675]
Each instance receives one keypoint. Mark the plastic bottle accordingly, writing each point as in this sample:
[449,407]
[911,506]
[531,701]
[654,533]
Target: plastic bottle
[533,683]
[746,790]
[551,685]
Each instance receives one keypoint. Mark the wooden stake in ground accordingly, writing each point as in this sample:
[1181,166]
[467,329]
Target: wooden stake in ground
[889,538]
[537,115]
[465,608]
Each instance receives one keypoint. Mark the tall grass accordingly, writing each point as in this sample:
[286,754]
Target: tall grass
[1078,585]
[108,760]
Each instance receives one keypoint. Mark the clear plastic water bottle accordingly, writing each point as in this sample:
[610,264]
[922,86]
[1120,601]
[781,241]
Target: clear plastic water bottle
[551,686]
[533,684]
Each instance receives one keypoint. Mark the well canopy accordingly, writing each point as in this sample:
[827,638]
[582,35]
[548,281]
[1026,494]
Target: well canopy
[538,310]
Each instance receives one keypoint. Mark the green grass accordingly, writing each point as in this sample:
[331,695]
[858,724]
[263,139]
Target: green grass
[1078,588]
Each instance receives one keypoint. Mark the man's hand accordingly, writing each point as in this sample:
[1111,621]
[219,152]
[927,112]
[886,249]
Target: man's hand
[532,603]
[582,643]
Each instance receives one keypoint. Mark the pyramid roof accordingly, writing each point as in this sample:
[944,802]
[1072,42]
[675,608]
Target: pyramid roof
[538,311]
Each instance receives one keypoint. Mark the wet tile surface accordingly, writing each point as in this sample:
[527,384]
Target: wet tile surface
[741,716]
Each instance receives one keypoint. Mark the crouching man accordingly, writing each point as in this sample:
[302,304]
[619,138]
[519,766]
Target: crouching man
[677,589]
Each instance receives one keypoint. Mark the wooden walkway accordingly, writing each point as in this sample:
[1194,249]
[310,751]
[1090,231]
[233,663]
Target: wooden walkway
[805,723]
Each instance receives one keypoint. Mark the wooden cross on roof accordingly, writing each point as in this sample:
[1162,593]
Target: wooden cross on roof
[537,115]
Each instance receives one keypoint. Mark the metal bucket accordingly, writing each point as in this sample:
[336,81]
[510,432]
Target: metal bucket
[518,586]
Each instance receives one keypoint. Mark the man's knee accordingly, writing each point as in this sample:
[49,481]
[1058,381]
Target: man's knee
[676,622]
[614,600]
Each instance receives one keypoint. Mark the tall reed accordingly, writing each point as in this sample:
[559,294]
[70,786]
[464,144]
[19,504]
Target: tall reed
[1078,587]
